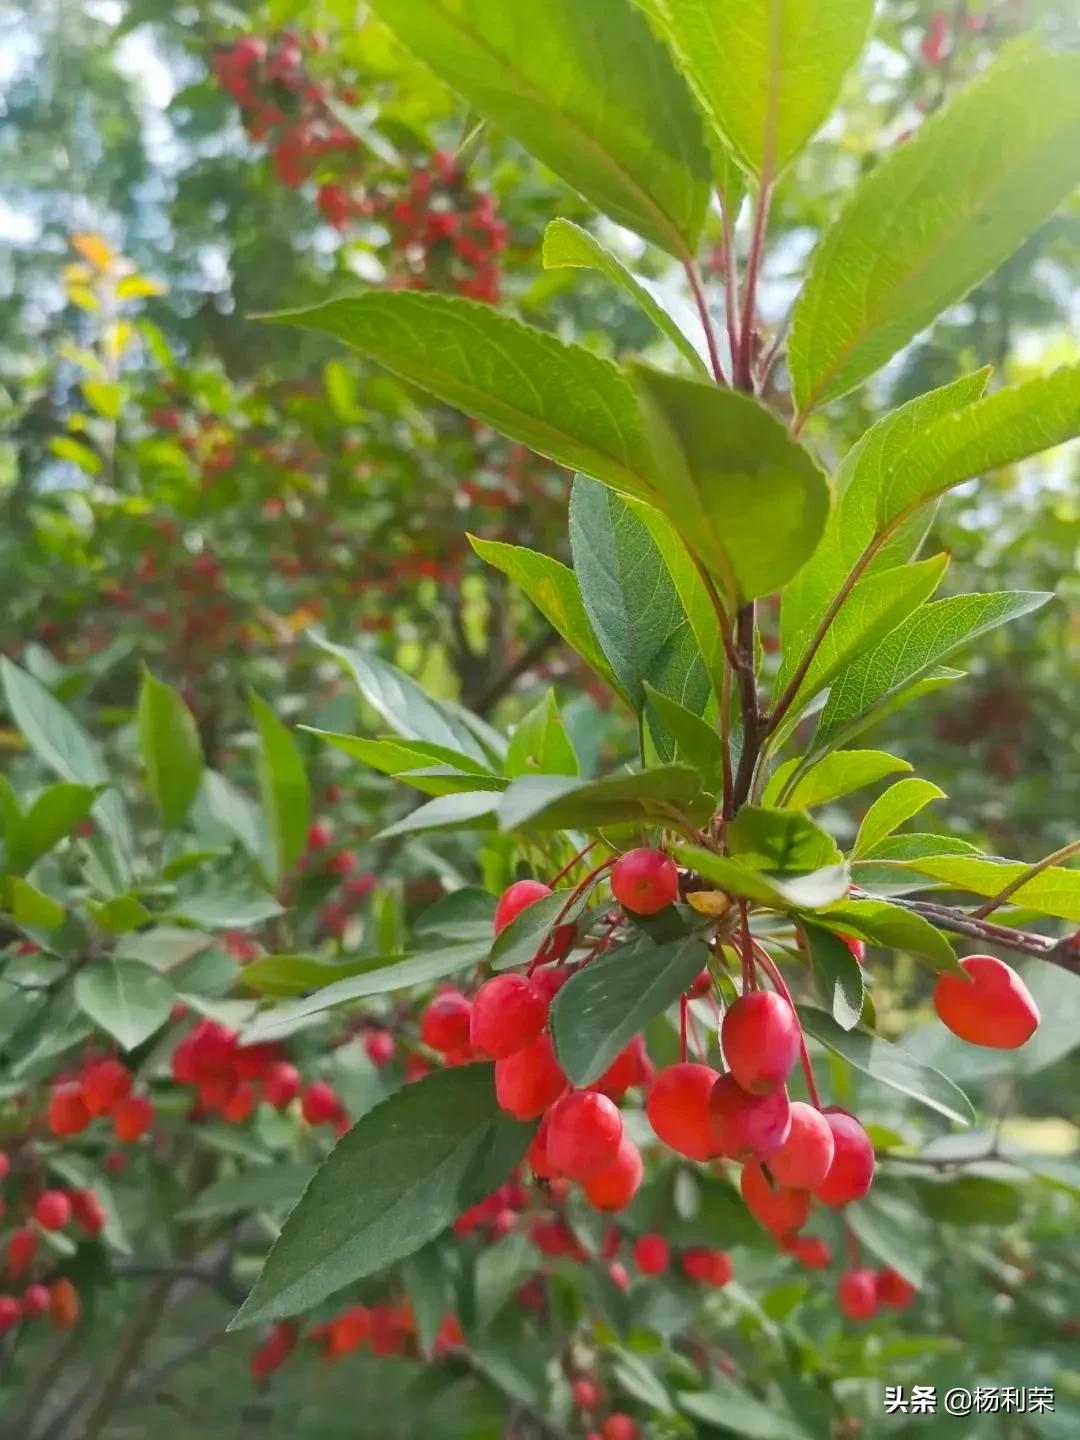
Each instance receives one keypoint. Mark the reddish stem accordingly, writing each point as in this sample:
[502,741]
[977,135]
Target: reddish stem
[684,1006]
[571,863]
[698,291]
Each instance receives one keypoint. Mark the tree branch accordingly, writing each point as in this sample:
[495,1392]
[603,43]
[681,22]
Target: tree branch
[753,731]
[1065,853]
[1064,952]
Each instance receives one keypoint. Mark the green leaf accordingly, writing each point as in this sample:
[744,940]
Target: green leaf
[467,810]
[877,604]
[128,1000]
[929,684]
[766,73]
[894,1230]
[540,743]
[838,975]
[889,1065]
[63,747]
[889,811]
[632,603]
[853,523]
[588,90]
[568,245]
[879,923]
[1002,428]
[553,588]
[425,1277]
[729,1407]
[747,499]
[403,705]
[970,1200]
[1055,891]
[171,749]
[226,909]
[229,808]
[51,818]
[433,769]
[270,1187]
[560,400]
[806,892]
[696,742]
[31,906]
[120,914]
[601,1008]
[500,1269]
[933,218]
[283,781]
[917,644]
[829,778]
[782,842]
[555,802]
[373,975]
[519,941]
[400,1176]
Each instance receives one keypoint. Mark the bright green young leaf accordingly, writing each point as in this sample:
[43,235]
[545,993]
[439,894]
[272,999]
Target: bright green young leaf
[632,603]
[283,781]
[555,802]
[829,778]
[120,914]
[587,89]
[128,1000]
[929,684]
[917,644]
[838,975]
[171,749]
[853,523]
[889,811]
[696,742]
[403,704]
[568,245]
[1055,891]
[879,923]
[782,842]
[1000,429]
[29,905]
[811,891]
[404,1172]
[63,747]
[613,998]
[469,810]
[933,218]
[540,744]
[553,588]
[354,980]
[560,400]
[51,818]
[766,73]
[748,499]
[889,1065]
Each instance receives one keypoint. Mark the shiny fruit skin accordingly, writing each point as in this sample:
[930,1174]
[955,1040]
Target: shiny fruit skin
[645,881]
[852,1170]
[132,1118]
[584,1133]
[53,1210]
[616,1185]
[779,1210]
[530,1080]
[804,1159]
[992,1007]
[857,1293]
[508,1013]
[652,1254]
[747,1126]
[678,1109]
[893,1290]
[516,898]
[760,1039]
[444,1025]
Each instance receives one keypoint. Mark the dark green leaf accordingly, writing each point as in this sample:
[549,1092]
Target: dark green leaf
[400,1176]
[554,802]
[432,769]
[738,877]
[696,742]
[127,999]
[540,743]
[837,975]
[729,1407]
[286,794]
[970,1200]
[270,1187]
[879,923]
[171,750]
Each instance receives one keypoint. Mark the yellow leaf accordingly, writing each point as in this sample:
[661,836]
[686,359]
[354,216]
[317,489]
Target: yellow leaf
[94,249]
[713,903]
[138,287]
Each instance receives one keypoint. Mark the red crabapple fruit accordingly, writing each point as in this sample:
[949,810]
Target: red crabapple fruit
[645,881]
[991,1007]
[760,1038]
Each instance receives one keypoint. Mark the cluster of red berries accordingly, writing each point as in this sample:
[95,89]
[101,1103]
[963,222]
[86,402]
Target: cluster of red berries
[283,105]
[862,1293]
[387,1328]
[230,1079]
[101,1088]
[41,1211]
[337,909]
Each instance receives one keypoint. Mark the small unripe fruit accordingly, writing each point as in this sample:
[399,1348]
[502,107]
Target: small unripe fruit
[745,1126]
[53,1210]
[508,1013]
[708,1267]
[678,1109]
[104,1084]
[852,1169]
[778,1209]
[760,1038]
[893,1290]
[132,1118]
[281,1084]
[992,1007]
[320,1104]
[857,1293]
[652,1254]
[586,1394]
[444,1025]
[584,1133]
[803,1160]
[645,881]
[530,1080]
[616,1185]
[516,898]
[68,1113]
